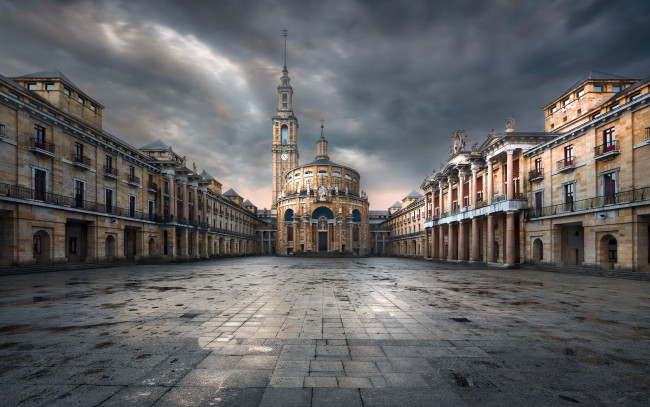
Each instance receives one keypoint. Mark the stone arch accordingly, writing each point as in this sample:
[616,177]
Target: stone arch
[322,211]
[288,215]
[152,246]
[110,246]
[608,250]
[41,247]
[538,250]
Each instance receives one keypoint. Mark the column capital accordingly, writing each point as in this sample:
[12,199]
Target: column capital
[510,150]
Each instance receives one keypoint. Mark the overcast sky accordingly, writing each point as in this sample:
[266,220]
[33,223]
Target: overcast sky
[392,79]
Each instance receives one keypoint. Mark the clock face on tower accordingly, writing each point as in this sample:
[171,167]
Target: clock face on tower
[284,156]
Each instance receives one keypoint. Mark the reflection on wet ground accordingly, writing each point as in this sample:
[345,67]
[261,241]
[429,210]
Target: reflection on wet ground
[279,331]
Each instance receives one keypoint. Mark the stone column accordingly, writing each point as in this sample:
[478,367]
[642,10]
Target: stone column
[475,248]
[426,243]
[185,202]
[510,185]
[195,203]
[262,241]
[462,243]
[451,246]
[383,243]
[450,198]
[376,243]
[474,191]
[490,187]
[434,241]
[490,239]
[461,190]
[270,243]
[441,242]
[172,197]
[510,238]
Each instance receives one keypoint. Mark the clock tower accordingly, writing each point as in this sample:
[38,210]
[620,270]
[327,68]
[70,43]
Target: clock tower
[285,132]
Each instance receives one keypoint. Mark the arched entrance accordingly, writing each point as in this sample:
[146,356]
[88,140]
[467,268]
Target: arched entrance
[538,250]
[41,247]
[608,251]
[323,215]
[110,247]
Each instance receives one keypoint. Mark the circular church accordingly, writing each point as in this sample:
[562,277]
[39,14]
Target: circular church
[321,208]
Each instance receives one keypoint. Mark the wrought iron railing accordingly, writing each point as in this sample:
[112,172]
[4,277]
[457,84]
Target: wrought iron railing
[80,159]
[41,145]
[498,199]
[535,174]
[480,204]
[152,186]
[110,171]
[566,163]
[133,179]
[606,148]
[635,195]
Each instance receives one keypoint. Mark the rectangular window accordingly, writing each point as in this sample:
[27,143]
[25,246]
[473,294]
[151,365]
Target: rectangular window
[131,205]
[609,142]
[538,202]
[284,97]
[93,107]
[609,188]
[552,110]
[79,192]
[568,155]
[81,100]
[565,102]
[39,184]
[569,197]
[598,88]
[2,130]
[49,86]
[166,187]
[151,210]
[66,91]
[108,163]
[78,152]
[31,86]
[616,88]
[39,136]
[108,200]
[284,105]
[538,166]
[580,93]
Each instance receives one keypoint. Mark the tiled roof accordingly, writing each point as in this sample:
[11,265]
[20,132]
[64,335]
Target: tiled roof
[397,204]
[595,75]
[230,192]
[156,145]
[248,203]
[414,194]
[207,175]
[49,73]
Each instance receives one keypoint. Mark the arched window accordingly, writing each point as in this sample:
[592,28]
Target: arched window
[356,215]
[285,135]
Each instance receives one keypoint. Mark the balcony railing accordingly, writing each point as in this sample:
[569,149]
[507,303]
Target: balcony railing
[536,174]
[609,149]
[41,147]
[80,161]
[133,180]
[566,164]
[152,187]
[110,172]
[480,204]
[498,199]
[635,195]
[18,192]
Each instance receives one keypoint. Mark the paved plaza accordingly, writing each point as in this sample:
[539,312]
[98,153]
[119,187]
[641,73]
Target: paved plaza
[322,332]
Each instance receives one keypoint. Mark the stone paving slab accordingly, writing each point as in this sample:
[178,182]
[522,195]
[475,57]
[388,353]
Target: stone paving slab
[311,332]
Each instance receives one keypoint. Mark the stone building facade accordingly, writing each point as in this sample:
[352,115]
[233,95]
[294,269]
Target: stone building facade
[72,192]
[576,194]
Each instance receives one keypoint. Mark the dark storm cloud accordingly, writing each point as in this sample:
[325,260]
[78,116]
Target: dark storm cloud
[391,79]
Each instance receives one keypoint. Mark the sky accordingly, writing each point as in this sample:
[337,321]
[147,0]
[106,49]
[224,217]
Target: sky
[392,79]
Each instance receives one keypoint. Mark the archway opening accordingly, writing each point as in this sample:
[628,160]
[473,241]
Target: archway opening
[538,250]
[110,247]
[152,246]
[41,247]
[608,251]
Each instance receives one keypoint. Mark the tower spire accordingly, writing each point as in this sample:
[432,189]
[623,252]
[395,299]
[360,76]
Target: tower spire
[321,146]
[284,34]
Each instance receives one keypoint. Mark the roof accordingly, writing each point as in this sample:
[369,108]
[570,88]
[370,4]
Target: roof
[248,203]
[325,162]
[397,204]
[49,73]
[11,82]
[156,145]
[414,194]
[207,175]
[595,75]
[378,213]
[231,192]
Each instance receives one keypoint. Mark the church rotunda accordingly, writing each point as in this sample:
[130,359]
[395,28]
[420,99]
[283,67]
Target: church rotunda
[321,208]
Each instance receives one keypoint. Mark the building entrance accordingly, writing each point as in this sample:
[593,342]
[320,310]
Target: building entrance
[322,241]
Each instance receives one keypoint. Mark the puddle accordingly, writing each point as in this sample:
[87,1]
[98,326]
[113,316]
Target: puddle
[15,329]
[161,289]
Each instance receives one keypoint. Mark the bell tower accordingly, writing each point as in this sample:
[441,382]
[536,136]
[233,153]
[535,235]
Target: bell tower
[285,132]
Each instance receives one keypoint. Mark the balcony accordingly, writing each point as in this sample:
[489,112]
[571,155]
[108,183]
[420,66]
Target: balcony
[536,175]
[498,199]
[607,151]
[27,194]
[566,164]
[110,172]
[41,148]
[626,197]
[480,203]
[133,180]
[152,187]
[80,161]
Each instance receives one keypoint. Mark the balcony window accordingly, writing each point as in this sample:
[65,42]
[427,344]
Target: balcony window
[151,210]
[108,200]
[538,202]
[568,196]
[568,155]
[609,188]
[78,152]
[39,136]
[79,193]
[608,140]
[108,163]
[132,205]
[40,177]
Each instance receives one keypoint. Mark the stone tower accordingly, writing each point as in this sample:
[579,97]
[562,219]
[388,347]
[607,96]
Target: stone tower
[285,132]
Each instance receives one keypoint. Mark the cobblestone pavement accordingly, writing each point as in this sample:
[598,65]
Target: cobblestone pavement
[322,332]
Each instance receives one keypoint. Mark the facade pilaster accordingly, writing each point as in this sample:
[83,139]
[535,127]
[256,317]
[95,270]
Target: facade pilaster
[510,186]
[475,251]
[490,179]
[462,243]
[510,238]
[453,241]
[490,239]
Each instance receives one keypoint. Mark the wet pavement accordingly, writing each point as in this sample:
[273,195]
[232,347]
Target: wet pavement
[322,332]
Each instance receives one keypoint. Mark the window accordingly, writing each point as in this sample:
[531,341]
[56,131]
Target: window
[108,163]
[568,155]
[31,86]
[49,86]
[284,105]
[78,152]
[81,100]
[79,192]
[580,93]
[598,88]
[39,136]
[284,97]
[538,201]
[609,143]
[616,88]
[39,184]
[93,107]
[131,172]
[2,130]
[131,205]
[166,187]
[565,102]
[285,83]
[37,245]
[308,173]
[162,154]
[538,167]
[609,188]
[285,133]
[569,196]
[152,210]
[108,200]
[552,110]
[66,91]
